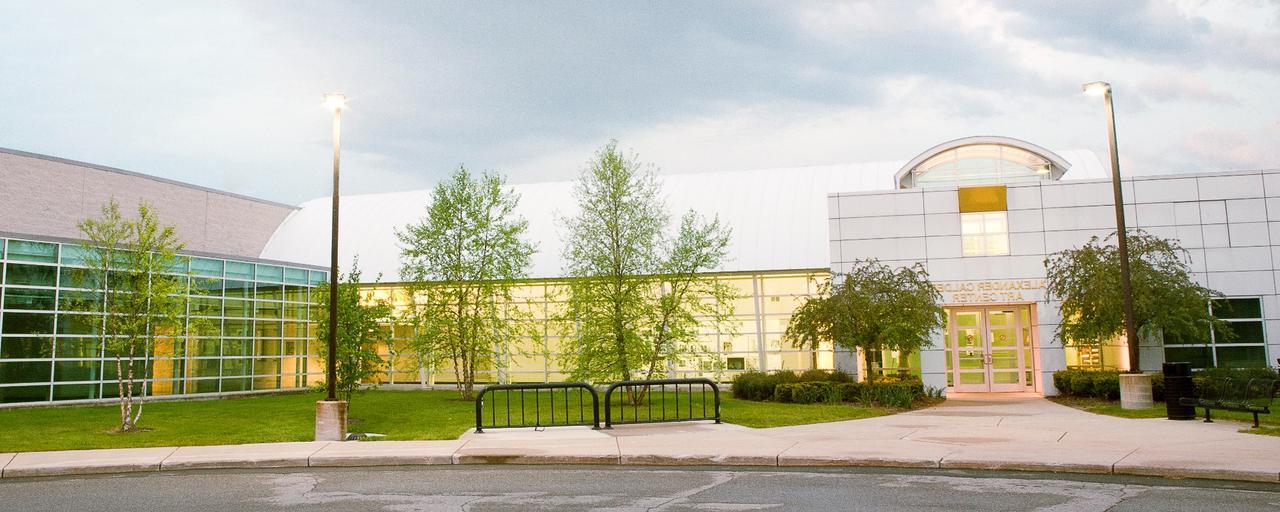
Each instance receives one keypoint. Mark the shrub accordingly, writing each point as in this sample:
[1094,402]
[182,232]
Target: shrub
[782,393]
[1106,385]
[811,392]
[1062,380]
[1157,387]
[814,376]
[759,385]
[748,385]
[892,394]
[1082,384]
[849,391]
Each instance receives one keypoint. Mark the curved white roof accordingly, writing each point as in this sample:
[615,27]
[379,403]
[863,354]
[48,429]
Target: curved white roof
[778,216]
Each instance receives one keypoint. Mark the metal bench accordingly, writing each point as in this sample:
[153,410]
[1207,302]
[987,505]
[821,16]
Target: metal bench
[1252,396]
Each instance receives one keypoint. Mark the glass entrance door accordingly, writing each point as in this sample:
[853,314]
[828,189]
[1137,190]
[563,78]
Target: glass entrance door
[988,351]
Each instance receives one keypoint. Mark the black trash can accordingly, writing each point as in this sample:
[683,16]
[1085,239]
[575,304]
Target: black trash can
[1177,384]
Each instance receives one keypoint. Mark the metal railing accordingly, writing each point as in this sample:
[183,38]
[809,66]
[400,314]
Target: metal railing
[640,399]
[517,409]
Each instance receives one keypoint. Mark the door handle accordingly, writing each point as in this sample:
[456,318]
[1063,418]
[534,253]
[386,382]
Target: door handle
[986,359]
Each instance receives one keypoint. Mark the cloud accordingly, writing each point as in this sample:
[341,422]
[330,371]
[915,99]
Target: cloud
[226,94]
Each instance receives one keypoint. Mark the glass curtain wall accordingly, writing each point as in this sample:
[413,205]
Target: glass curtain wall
[762,311]
[251,322]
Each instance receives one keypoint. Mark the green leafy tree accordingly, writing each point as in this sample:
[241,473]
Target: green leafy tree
[461,262]
[635,294]
[131,263]
[872,307]
[362,323]
[1165,300]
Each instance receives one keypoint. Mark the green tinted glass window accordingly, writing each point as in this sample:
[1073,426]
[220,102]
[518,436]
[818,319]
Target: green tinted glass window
[28,323]
[1199,357]
[79,278]
[178,265]
[295,276]
[75,392]
[1245,332]
[24,394]
[295,293]
[30,275]
[236,367]
[319,277]
[205,368]
[239,270]
[76,255]
[206,347]
[78,348]
[27,298]
[79,300]
[207,286]
[232,348]
[1237,308]
[267,329]
[267,348]
[22,250]
[237,308]
[238,289]
[25,348]
[270,273]
[206,267]
[1242,357]
[72,371]
[78,324]
[237,328]
[25,371]
[206,306]
[270,291]
[268,309]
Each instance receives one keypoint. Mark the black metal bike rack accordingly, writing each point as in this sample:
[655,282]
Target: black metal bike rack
[687,413]
[541,416]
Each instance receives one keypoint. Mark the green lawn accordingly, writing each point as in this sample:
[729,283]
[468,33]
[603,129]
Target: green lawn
[290,417]
[1270,422]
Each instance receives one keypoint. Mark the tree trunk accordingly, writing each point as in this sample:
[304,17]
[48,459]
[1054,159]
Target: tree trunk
[124,413]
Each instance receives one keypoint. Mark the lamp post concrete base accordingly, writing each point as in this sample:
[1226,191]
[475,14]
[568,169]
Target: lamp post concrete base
[1135,391]
[331,420]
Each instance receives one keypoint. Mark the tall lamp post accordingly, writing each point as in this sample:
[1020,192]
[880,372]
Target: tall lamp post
[331,413]
[1139,395]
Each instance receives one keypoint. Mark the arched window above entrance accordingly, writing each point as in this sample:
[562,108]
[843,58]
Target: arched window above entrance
[981,161]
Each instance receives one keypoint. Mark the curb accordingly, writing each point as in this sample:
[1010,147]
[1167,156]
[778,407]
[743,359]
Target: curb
[171,460]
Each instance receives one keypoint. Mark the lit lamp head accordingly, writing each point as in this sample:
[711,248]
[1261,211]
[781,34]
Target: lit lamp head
[335,101]
[1096,88]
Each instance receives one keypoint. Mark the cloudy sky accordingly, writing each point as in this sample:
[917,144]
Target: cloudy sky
[227,94]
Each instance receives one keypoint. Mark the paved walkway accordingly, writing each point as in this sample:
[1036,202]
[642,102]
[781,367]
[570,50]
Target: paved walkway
[971,432]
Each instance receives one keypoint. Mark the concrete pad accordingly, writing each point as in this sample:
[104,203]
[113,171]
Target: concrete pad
[1096,458]
[4,461]
[1218,464]
[528,448]
[85,462]
[265,455]
[968,436]
[894,453]
[729,449]
[386,453]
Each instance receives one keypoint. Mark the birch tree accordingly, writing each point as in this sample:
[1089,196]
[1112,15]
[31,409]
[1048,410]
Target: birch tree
[462,261]
[131,262]
[637,295]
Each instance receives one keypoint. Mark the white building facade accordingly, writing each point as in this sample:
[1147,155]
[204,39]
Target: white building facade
[982,214]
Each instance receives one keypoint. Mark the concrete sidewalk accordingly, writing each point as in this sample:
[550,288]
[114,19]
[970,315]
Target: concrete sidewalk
[971,432]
